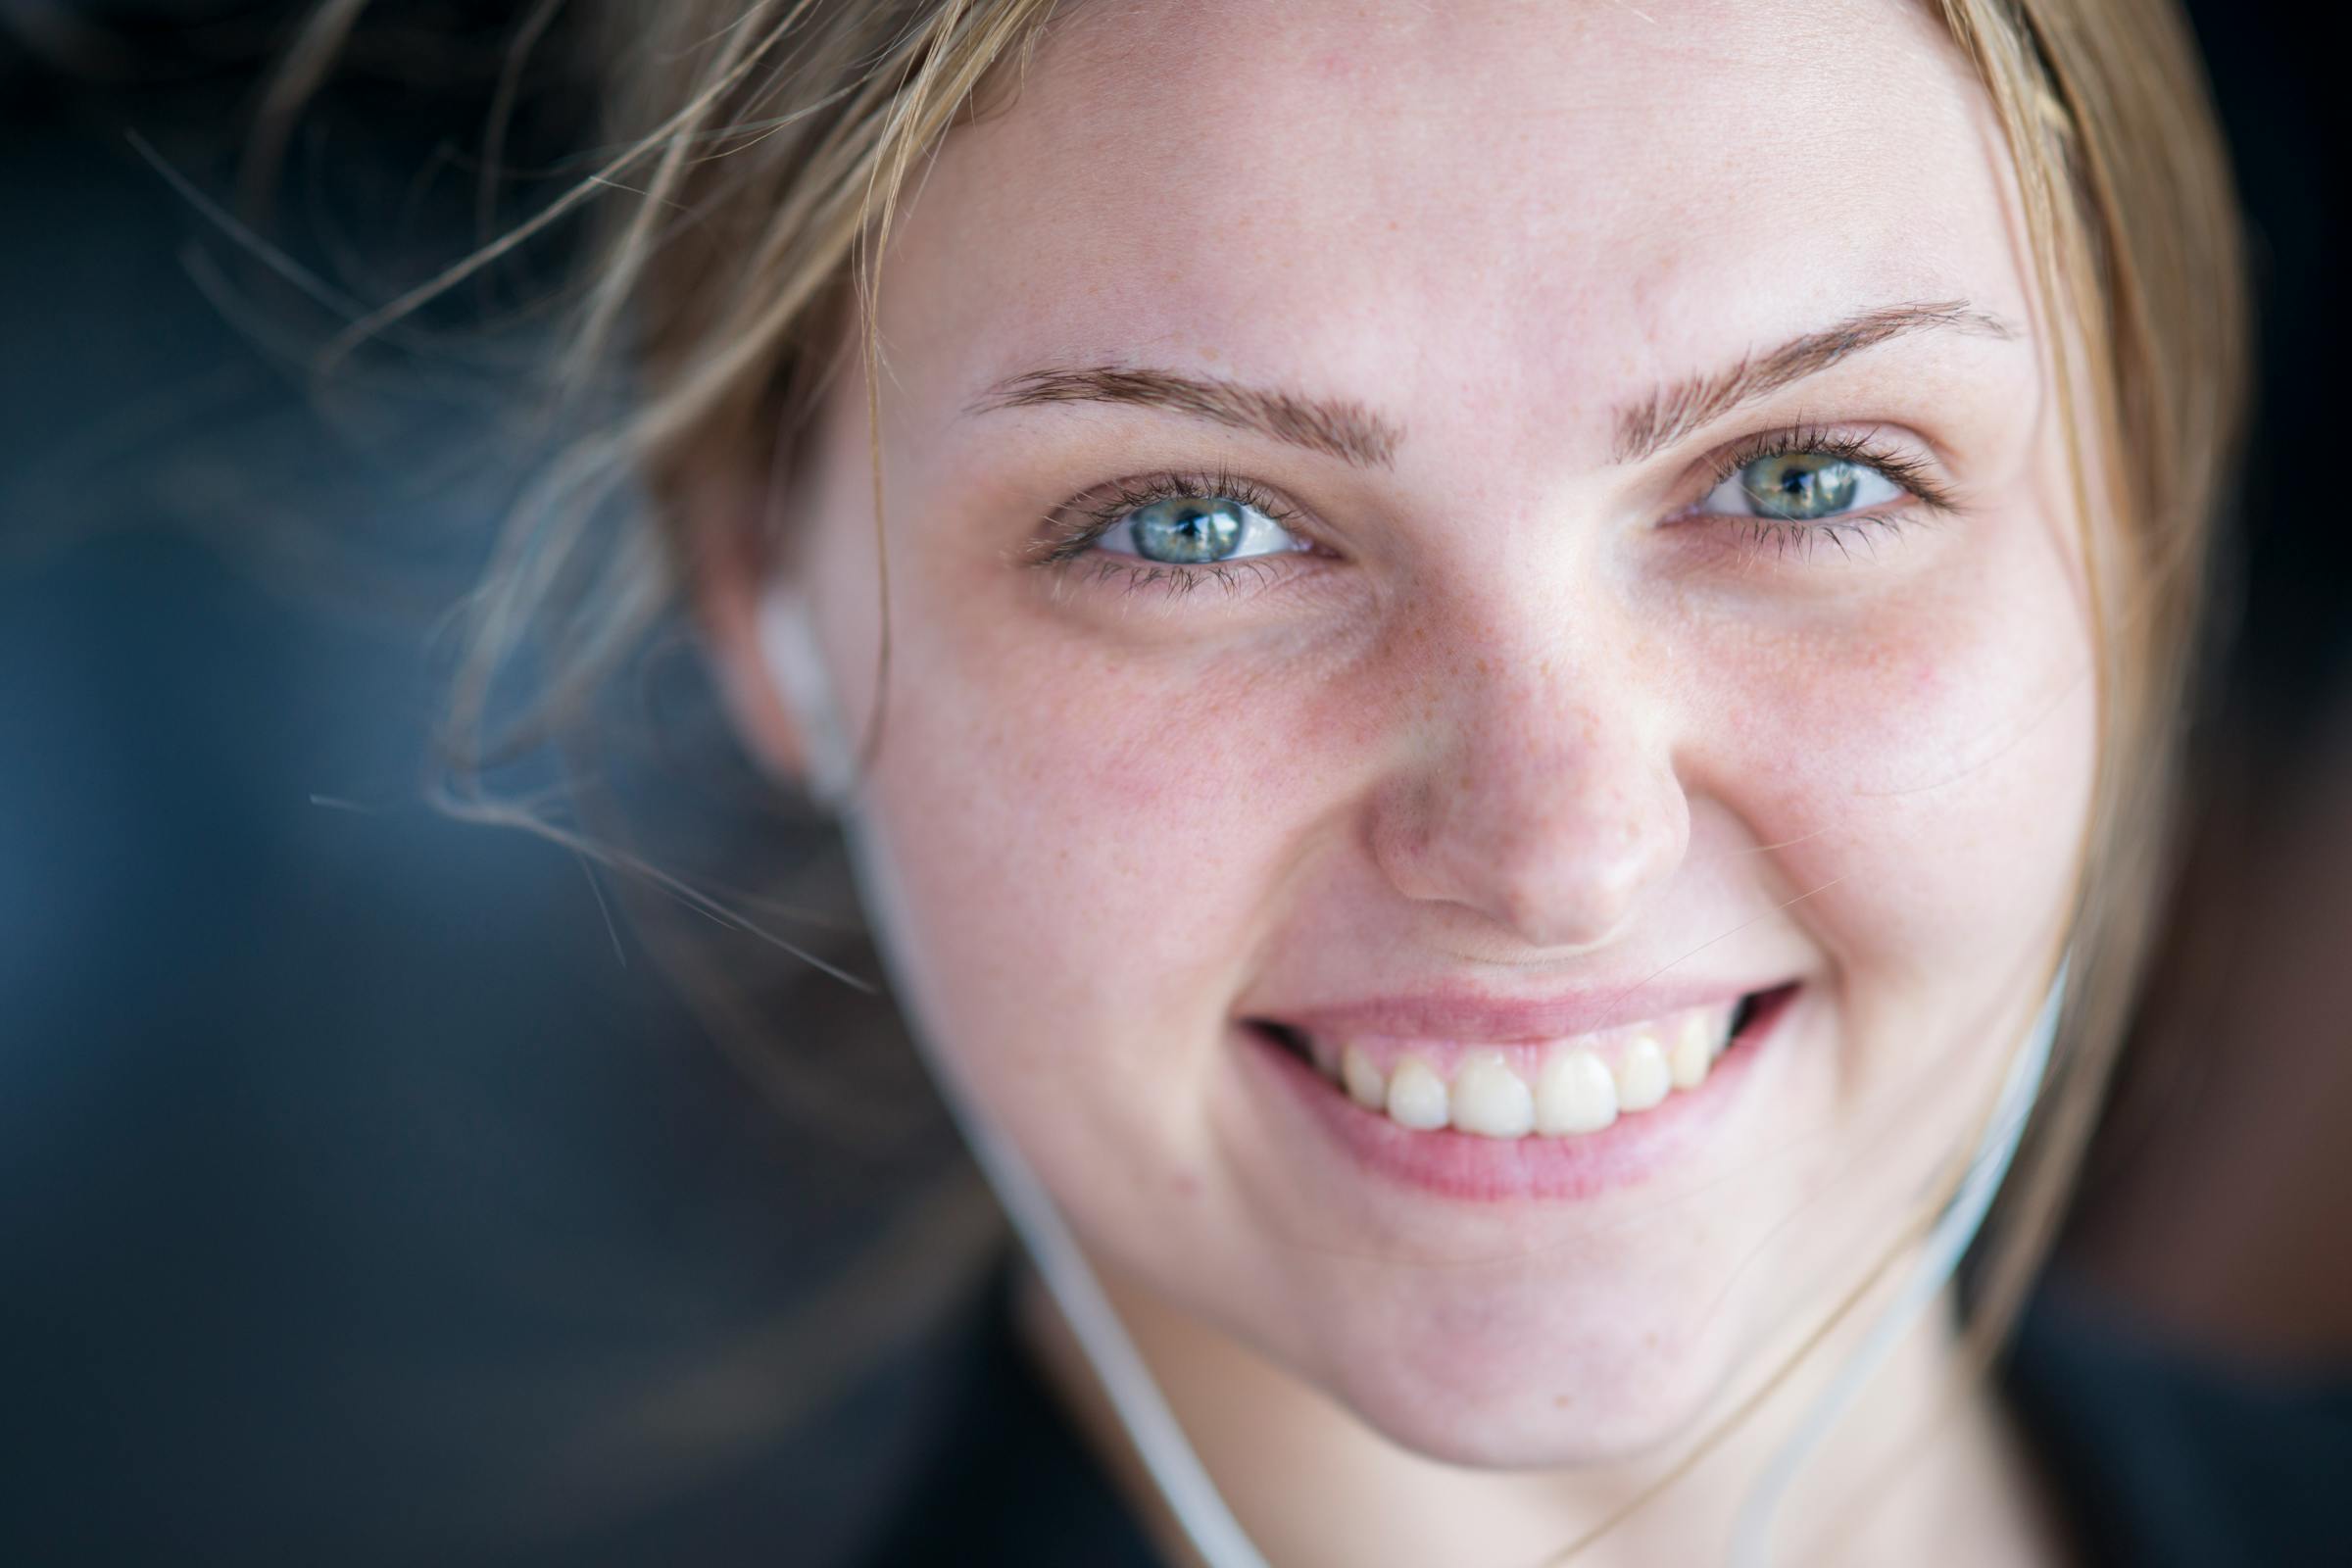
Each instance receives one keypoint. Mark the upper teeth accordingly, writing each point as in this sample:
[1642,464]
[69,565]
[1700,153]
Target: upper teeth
[1552,1088]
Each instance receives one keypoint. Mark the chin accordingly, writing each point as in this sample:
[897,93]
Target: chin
[1604,1394]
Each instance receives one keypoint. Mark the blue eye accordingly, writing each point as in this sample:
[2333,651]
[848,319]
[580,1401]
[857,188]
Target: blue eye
[1196,530]
[1800,487]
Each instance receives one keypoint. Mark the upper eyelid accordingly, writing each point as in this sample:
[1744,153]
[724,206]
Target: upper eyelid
[1174,482]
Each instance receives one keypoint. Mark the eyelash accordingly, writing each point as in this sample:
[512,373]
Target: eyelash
[1075,533]
[1779,535]
[1076,529]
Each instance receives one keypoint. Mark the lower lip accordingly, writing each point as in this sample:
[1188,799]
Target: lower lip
[1464,1165]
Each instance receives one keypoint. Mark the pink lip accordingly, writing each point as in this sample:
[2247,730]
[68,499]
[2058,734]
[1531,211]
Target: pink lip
[1465,1012]
[1464,1167]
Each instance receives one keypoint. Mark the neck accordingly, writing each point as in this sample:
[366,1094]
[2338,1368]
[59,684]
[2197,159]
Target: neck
[1923,1467]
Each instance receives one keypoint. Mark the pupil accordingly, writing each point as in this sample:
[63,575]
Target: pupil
[1188,530]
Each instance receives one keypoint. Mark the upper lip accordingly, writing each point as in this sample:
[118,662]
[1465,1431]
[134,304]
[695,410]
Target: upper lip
[1464,1011]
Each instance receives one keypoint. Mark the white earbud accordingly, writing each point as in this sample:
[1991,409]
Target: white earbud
[788,641]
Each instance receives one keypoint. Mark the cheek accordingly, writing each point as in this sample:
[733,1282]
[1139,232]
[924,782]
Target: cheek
[1921,770]
[1085,839]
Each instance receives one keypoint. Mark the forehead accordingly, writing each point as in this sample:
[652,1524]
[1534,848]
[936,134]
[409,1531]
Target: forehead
[1492,205]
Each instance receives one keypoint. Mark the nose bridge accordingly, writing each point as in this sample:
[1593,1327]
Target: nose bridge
[1540,790]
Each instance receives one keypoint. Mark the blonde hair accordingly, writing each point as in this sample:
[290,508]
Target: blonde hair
[760,145]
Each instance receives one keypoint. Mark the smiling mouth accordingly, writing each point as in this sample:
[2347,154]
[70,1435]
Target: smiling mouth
[1560,1089]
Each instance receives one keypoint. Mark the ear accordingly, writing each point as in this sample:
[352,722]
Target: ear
[729,581]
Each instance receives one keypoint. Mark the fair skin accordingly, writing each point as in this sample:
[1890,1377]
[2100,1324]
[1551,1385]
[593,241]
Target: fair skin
[1510,718]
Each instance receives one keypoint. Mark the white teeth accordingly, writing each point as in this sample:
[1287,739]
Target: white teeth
[1583,1087]
[1575,1093]
[1642,1076]
[1490,1099]
[1694,1052]
[1365,1085]
[1417,1096]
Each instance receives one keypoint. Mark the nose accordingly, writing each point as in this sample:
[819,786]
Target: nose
[1539,792]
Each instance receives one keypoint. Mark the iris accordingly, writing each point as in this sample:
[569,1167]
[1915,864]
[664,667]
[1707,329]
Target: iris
[1188,530]
[1799,485]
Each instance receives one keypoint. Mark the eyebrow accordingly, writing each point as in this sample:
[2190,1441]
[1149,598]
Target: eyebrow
[1335,427]
[1678,407]
[1355,434]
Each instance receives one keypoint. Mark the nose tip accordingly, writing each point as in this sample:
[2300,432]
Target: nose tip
[1553,824]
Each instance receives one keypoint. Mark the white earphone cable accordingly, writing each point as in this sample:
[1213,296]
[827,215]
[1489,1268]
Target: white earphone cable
[1159,1441]
[1955,1228]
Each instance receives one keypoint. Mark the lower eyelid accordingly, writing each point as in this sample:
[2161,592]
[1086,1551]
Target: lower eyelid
[1775,537]
[1246,576]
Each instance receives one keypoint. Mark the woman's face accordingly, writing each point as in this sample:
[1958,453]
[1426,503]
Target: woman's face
[1586,546]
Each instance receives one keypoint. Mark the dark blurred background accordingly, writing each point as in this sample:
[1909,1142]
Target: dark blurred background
[366,1195]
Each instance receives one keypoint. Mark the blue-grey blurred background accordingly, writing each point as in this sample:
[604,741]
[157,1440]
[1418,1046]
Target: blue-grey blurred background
[366,1195]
